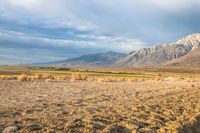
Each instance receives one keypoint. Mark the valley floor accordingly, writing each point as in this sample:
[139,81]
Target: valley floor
[89,106]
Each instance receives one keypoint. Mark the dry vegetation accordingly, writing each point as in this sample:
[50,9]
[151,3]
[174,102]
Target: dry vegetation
[23,77]
[162,103]
[78,76]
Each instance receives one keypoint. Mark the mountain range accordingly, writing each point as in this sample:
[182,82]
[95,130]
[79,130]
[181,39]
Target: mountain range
[91,60]
[183,53]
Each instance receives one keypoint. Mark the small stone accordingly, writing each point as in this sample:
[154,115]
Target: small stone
[11,129]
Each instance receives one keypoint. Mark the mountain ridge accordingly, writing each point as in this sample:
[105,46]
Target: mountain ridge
[156,56]
[160,54]
[99,59]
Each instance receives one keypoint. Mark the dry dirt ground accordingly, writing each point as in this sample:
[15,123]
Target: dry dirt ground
[89,106]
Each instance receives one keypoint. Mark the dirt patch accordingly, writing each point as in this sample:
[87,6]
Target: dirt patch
[89,106]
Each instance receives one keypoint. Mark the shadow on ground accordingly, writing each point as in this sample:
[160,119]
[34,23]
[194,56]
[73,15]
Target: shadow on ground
[191,128]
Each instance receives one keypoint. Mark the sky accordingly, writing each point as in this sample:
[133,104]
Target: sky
[34,31]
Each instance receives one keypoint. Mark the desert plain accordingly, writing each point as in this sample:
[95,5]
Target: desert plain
[166,103]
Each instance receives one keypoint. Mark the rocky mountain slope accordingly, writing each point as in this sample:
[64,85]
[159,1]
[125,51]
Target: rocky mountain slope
[100,59]
[161,54]
[191,39]
[191,59]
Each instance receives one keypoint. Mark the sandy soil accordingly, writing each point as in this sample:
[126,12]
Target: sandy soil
[89,106]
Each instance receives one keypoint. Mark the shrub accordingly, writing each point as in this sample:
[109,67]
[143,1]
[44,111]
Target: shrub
[8,77]
[84,77]
[38,76]
[47,76]
[3,77]
[158,78]
[22,77]
[78,76]
[63,77]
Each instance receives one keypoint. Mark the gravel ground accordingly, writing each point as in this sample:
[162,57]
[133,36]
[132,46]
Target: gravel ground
[109,107]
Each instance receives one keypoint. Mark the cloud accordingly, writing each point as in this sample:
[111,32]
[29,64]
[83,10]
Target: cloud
[85,41]
[174,5]
[21,48]
[115,43]
[68,28]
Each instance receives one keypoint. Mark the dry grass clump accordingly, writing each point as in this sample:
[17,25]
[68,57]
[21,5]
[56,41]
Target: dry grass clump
[91,79]
[63,77]
[8,77]
[23,77]
[37,76]
[3,77]
[132,80]
[121,79]
[84,77]
[78,76]
[158,78]
[41,76]
[47,76]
